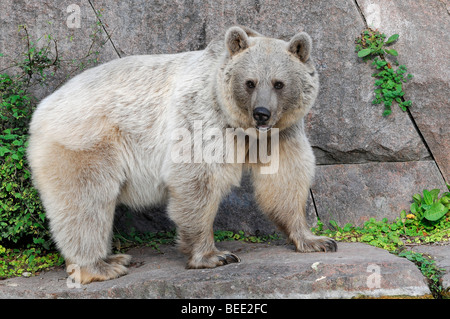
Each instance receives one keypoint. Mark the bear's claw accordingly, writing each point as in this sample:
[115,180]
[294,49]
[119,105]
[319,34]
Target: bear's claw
[229,258]
[219,258]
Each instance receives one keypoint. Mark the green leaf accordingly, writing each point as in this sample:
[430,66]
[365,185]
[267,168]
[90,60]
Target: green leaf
[427,197]
[391,52]
[392,38]
[403,214]
[445,200]
[8,137]
[364,52]
[333,223]
[31,258]
[414,208]
[387,112]
[347,227]
[367,238]
[38,240]
[417,198]
[435,193]
[407,103]
[4,150]
[436,212]
[379,82]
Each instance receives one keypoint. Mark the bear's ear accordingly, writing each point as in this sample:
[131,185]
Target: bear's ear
[236,40]
[300,45]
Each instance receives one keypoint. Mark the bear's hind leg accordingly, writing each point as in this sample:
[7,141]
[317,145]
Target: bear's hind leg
[79,189]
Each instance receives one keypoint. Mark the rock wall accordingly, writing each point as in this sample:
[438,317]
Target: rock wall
[368,165]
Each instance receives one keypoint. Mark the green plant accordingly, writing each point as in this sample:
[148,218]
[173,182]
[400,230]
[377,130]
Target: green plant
[408,229]
[430,207]
[23,226]
[428,268]
[39,61]
[16,105]
[17,262]
[371,45]
[124,241]
[225,235]
[376,233]
[22,216]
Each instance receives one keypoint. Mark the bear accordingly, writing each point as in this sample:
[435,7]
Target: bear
[106,137]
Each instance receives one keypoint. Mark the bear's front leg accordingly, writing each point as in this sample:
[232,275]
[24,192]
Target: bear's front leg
[282,194]
[194,197]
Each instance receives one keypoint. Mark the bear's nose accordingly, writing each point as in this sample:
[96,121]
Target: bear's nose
[261,114]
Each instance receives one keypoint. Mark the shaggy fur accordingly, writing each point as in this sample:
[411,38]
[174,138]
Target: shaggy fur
[105,138]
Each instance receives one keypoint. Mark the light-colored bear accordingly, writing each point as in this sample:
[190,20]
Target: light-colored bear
[106,137]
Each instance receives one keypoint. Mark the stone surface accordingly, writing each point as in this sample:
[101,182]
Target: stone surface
[266,271]
[44,18]
[154,27]
[423,48]
[352,193]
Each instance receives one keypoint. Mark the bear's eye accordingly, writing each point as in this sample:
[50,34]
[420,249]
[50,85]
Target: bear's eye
[278,85]
[250,84]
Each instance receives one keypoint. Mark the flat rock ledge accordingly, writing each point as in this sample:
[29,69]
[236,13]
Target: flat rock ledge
[266,271]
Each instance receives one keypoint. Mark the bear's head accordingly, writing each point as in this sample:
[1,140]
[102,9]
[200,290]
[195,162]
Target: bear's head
[266,82]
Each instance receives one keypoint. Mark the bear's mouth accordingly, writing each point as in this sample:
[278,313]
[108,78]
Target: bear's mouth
[263,128]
